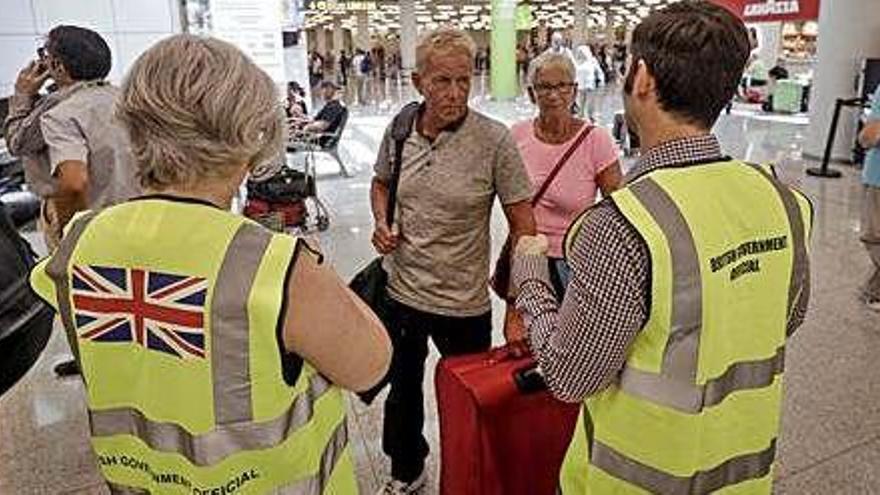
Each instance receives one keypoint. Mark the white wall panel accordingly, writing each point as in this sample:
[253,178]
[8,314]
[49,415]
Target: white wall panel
[132,45]
[16,17]
[153,16]
[93,14]
[128,26]
[15,52]
[116,60]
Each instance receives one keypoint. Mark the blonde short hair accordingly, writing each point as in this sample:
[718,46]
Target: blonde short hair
[443,40]
[197,108]
[551,59]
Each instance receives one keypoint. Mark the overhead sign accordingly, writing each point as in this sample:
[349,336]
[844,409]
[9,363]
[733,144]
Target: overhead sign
[773,10]
[254,26]
[340,5]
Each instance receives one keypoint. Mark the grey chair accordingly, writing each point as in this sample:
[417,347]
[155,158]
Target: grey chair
[312,143]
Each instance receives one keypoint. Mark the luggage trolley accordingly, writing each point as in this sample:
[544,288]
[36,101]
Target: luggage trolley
[285,199]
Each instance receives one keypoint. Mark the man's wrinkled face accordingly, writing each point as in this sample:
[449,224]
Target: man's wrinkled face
[446,85]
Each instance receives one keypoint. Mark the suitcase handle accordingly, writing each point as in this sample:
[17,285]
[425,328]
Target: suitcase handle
[529,379]
[507,352]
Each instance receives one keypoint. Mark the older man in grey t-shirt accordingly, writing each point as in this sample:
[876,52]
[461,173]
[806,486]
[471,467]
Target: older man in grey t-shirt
[455,162]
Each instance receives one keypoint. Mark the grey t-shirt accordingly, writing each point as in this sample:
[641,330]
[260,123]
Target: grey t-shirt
[444,205]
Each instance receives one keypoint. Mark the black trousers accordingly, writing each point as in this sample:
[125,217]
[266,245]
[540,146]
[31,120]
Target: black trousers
[402,438]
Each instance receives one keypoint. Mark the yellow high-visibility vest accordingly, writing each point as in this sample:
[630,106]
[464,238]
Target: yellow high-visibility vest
[697,407]
[175,311]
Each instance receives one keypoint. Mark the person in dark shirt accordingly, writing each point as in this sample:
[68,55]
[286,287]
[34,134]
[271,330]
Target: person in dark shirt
[344,66]
[331,116]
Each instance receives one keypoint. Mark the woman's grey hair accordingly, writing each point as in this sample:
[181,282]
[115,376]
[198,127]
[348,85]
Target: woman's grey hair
[551,59]
[197,108]
[443,40]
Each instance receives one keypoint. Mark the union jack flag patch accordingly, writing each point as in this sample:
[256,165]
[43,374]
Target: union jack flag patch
[158,311]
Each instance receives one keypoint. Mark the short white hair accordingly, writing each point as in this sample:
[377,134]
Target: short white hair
[551,59]
[198,108]
[443,40]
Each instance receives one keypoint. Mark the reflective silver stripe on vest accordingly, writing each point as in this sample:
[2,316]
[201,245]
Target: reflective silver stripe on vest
[57,270]
[116,489]
[691,398]
[676,386]
[313,485]
[733,471]
[801,262]
[210,448]
[317,484]
[230,356]
[683,347]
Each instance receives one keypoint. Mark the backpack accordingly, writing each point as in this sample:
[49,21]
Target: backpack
[25,320]
[366,64]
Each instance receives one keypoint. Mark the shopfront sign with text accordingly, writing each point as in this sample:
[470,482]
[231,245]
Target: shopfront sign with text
[773,10]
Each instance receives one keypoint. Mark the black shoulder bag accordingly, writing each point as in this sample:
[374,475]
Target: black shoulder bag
[370,283]
[25,320]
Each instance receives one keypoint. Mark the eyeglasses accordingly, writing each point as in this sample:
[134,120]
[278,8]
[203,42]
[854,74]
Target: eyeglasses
[546,89]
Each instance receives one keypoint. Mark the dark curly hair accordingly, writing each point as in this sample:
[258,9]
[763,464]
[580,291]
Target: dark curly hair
[83,53]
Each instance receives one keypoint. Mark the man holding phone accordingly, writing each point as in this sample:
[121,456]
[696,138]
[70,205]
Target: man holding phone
[75,154]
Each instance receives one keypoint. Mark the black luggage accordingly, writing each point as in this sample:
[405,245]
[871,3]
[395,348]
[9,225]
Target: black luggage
[25,320]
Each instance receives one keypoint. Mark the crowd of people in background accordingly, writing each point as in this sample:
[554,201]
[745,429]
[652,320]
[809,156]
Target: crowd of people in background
[359,71]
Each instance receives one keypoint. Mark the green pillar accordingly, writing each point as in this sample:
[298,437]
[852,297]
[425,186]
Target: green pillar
[503,75]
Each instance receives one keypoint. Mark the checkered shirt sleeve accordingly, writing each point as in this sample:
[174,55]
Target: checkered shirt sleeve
[581,345]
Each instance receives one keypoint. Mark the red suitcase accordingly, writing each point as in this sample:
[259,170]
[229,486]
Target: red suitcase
[494,439]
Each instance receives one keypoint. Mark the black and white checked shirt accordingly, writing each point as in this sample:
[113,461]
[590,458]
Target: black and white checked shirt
[581,344]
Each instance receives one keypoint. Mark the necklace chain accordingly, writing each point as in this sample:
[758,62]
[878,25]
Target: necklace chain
[554,138]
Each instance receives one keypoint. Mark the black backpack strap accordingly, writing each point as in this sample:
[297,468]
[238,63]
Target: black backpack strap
[401,128]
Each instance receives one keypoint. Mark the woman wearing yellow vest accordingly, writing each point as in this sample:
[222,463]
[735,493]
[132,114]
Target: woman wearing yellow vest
[686,284]
[211,348]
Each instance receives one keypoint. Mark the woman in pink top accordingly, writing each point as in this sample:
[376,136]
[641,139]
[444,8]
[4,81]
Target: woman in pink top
[542,142]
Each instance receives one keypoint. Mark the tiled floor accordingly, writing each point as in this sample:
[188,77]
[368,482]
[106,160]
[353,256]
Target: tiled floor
[831,427]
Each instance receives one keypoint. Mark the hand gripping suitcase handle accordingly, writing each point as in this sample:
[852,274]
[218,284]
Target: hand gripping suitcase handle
[529,379]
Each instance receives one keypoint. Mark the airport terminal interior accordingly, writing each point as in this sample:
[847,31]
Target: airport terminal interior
[803,99]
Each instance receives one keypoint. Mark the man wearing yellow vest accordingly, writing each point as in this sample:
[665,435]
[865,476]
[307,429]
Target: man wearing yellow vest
[685,286]
[212,349]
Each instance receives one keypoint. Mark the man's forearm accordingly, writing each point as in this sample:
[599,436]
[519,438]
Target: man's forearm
[67,205]
[520,220]
[317,126]
[870,135]
[379,201]
[73,190]
[20,127]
